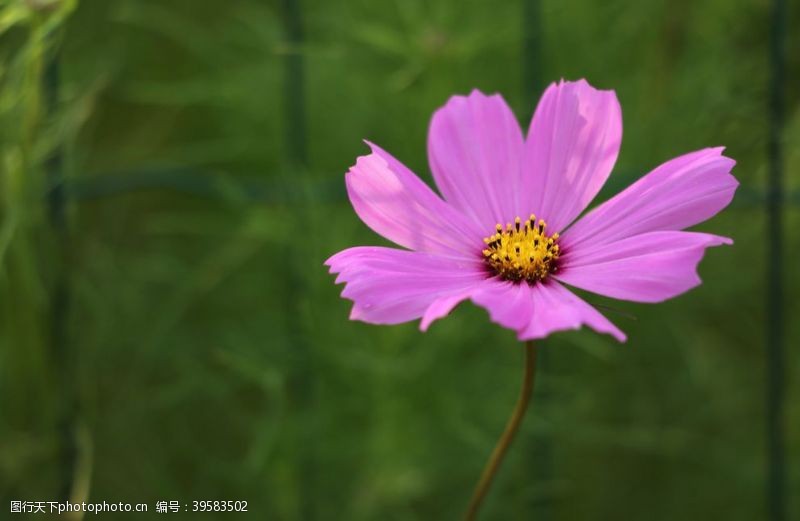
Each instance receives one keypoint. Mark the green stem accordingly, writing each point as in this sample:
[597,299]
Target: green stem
[505,440]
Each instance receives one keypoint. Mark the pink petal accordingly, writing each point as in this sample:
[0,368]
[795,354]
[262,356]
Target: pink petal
[555,308]
[678,194]
[536,311]
[441,307]
[508,304]
[650,267]
[572,145]
[399,206]
[389,286]
[474,149]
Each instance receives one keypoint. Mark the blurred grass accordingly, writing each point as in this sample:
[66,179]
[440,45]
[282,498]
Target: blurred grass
[189,303]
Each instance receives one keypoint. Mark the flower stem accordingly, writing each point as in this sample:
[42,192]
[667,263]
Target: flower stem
[505,440]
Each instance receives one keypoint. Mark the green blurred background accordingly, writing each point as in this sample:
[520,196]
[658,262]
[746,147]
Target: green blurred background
[172,181]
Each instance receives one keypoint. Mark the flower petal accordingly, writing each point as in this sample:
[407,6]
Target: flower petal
[536,311]
[508,304]
[572,145]
[555,308]
[474,149]
[399,206]
[441,307]
[678,194]
[650,267]
[390,286]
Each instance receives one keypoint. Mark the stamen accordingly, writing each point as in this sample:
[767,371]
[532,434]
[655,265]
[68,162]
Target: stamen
[522,252]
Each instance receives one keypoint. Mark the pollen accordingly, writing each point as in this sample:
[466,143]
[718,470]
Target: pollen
[522,251]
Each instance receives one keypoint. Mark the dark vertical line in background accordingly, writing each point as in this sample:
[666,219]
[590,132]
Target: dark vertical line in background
[532,39]
[59,297]
[776,471]
[56,195]
[538,455]
[301,377]
[294,85]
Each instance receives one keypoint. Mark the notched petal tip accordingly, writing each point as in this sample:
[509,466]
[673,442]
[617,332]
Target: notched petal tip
[714,154]
[440,308]
[475,99]
[330,261]
[582,84]
[355,313]
[375,149]
[365,160]
[475,92]
[616,334]
[334,259]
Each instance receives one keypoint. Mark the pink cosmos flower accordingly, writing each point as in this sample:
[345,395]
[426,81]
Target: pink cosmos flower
[504,233]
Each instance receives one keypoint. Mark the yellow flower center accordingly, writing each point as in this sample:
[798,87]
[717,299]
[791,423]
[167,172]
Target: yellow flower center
[522,251]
